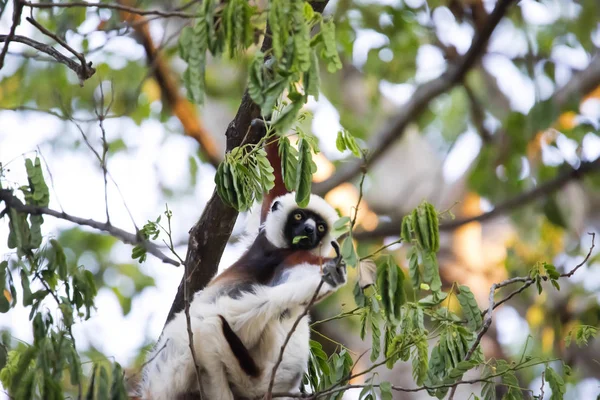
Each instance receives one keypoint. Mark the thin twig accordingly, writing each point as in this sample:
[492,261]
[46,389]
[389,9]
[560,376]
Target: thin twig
[100,115]
[189,330]
[13,202]
[527,282]
[182,108]
[86,70]
[54,113]
[379,250]
[419,101]
[493,305]
[16,20]
[119,7]
[478,115]
[345,388]
[268,396]
[336,317]
[542,190]
[100,160]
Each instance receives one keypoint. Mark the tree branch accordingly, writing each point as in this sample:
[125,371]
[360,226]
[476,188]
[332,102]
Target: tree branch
[210,234]
[16,20]
[580,84]
[544,189]
[527,282]
[394,128]
[184,110]
[44,48]
[13,202]
[119,7]
[86,70]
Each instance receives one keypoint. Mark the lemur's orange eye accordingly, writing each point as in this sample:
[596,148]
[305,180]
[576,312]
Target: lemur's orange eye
[321,228]
[297,216]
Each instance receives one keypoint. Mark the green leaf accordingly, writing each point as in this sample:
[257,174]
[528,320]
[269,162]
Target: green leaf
[413,268]
[278,20]
[341,223]
[27,296]
[60,259]
[431,273]
[510,381]
[312,77]
[556,384]
[349,253]
[272,93]
[420,363]
[345,141]
[4,303]
[385,388]
[117,389]
[24,361]
[329,52]
[375,335]
[488,389]
[255,78]
[289,162]
[288,116]
[103,387]
[470,308]
[301,39]
[298,239]
[406,230]
[92,387]
[74,366]
[303,174]
[390,282]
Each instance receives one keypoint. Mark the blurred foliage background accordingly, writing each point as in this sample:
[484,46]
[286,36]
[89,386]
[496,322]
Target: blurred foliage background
[512,149]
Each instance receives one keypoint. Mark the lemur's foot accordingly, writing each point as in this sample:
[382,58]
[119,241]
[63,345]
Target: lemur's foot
[334,271]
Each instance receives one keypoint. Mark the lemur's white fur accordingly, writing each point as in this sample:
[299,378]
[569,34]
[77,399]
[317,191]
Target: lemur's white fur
[261,319]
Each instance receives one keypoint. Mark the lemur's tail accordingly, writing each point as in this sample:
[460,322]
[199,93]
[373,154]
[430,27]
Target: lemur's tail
[239,350]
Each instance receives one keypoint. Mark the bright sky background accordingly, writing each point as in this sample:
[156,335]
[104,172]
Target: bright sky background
[157,154]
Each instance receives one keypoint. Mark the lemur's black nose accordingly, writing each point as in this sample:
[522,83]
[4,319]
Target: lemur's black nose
[309,229]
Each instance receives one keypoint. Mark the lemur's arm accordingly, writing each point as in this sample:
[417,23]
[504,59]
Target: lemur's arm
[250,313]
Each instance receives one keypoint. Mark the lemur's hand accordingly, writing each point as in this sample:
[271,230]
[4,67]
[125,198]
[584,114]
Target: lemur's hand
[334,270]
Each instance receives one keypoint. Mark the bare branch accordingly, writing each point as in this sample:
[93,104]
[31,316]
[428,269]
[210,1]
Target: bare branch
[13,202]
[580,84]
[478,115]
[86,70]
[16,20]
[394,129]
[190,333]
[119,7]
[527,282]
[544,189]
[183,109]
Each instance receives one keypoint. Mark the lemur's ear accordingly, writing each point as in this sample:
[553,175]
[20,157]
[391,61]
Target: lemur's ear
[275,206]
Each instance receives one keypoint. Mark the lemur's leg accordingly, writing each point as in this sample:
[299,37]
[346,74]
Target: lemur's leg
[214,383]
[170,371]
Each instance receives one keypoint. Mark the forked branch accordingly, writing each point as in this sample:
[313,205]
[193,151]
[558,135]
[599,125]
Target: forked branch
[13,202]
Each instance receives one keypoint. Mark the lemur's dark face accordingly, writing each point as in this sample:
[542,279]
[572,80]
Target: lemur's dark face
[304,229]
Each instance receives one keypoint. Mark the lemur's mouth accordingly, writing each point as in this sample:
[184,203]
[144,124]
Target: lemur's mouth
[303,242]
